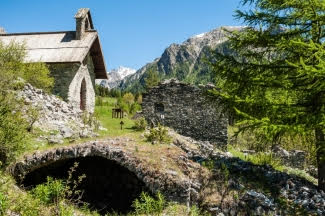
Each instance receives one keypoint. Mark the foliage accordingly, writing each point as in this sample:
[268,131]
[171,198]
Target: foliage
[135,107]
[138,98]
[151,79]
[105,92]
[128,104]
[149,205]
[3,204]
[121,104]
[128,98]
[12,129]
[53,191]
[38,75]
[274,82]
[12,67]
[140,124]
[158,134]
[58,191]
[101,91]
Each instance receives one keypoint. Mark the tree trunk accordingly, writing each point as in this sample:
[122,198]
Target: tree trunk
[320,146]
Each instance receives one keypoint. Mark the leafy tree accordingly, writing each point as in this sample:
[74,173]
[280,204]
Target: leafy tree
[151,79]
[13,127]
[128,98]
[12,67]
[275,82]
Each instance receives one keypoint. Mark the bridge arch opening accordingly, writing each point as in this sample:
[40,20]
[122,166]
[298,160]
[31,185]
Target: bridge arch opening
[107,187]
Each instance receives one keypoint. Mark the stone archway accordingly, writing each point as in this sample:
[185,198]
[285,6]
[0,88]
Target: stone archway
[83,95]
[101,158]
[107,186]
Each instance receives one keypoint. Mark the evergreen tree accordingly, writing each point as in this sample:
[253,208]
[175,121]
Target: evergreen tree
[275,82]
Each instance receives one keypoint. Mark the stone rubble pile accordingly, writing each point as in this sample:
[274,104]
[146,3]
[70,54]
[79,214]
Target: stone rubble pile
[296,191]
[58,119]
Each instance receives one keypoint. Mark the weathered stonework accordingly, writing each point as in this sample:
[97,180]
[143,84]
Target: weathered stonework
[188,110]
[68,83]
[175,187]
[85,73]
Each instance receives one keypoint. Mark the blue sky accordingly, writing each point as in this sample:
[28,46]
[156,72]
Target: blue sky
[132,32]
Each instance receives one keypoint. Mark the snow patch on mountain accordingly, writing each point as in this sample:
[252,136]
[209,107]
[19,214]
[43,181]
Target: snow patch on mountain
[115,76]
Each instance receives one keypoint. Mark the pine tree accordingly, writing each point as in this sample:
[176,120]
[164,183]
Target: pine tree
[275,82]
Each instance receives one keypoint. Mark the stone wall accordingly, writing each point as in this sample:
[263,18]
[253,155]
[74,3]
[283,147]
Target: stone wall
[84,73]
[68,80]
[188,110]
[174,187]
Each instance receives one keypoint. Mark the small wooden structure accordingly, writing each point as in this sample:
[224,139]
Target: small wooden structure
[117,113]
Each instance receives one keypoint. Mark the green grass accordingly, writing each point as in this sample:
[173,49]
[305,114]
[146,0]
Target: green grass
[264,158]
[104,115]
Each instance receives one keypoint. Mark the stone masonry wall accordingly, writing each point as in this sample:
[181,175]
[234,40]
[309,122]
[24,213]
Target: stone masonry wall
[84,73]
[63,75]
[186,109]
[68,79]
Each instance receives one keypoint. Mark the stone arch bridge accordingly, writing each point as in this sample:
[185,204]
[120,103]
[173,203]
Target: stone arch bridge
[114,175]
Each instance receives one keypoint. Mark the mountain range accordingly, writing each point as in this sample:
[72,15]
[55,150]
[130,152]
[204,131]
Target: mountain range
[186,61]
[115,77]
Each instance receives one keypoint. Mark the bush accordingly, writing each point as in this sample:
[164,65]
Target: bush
[135,107]
[148,205]
[3,204]
[12,129]
[140,124]
[128,98]
[158,134]
[122,105]
[54,191]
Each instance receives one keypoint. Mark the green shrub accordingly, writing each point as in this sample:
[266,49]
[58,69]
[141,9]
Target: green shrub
[128,98]
[122,105]
[149,205]
[12,129]
[158,134]
[135,107]
[3,204]
[53,191]
[140,124]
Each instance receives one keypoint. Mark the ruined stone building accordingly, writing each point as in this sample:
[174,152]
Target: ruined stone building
[75,59]
[188,110]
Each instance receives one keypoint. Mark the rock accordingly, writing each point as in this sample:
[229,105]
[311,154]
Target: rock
[55,139]
[66,132]
[54,114]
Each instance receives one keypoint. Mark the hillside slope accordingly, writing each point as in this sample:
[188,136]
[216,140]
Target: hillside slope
[185,61]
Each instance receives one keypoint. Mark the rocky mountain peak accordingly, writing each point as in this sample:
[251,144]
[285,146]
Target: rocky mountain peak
[184,61]
[115,76]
